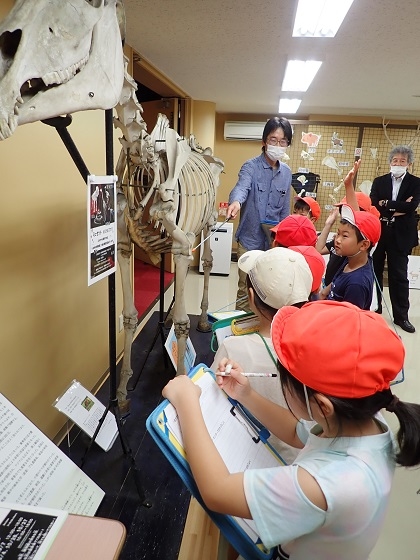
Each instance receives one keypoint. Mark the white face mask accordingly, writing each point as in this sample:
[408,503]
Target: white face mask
[398,170]
[274,152]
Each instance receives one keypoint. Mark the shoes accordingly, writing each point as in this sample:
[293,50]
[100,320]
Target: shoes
[406,326]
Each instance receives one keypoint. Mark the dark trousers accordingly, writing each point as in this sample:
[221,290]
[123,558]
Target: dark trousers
[397,273]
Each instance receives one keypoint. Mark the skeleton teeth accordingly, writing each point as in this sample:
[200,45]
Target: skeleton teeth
[62,76]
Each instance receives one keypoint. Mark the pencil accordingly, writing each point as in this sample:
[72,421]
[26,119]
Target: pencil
[248,374]
[228,369]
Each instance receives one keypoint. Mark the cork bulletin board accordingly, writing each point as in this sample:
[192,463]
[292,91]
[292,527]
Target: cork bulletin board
[341,143]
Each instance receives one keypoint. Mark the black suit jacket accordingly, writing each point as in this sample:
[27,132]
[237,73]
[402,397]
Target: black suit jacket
[405,228]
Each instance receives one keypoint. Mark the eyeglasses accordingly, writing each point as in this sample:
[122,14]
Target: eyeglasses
[274,142]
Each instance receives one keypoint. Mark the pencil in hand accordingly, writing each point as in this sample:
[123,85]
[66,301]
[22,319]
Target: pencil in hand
[228,369]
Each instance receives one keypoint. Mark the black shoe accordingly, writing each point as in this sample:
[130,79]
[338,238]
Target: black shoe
[406,326]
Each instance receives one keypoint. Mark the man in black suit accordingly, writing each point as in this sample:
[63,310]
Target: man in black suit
[396,195]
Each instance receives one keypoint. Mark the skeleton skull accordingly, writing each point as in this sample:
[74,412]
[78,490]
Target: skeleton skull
[59,57]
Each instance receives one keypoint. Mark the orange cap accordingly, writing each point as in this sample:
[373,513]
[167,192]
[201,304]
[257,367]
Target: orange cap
[364,202]
[313,205]
[337,348]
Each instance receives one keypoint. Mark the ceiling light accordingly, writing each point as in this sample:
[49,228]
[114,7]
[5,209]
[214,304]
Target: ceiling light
[320,18]
[289,105]
[299,74]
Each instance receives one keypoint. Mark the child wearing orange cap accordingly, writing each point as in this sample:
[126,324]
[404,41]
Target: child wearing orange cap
[357,234]
[307,206]
[336,363]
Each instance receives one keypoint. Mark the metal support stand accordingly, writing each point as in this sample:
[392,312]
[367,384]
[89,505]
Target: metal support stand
[61,124]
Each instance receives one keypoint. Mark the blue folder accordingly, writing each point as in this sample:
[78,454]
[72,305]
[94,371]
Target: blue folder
[229,526]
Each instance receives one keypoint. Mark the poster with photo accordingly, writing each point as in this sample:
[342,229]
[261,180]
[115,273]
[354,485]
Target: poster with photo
[102,226]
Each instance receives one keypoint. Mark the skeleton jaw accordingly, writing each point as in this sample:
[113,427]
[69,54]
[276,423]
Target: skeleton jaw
[58,58]
[31,88]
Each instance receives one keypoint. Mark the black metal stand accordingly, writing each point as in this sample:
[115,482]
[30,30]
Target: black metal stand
[160,329]
[61,124]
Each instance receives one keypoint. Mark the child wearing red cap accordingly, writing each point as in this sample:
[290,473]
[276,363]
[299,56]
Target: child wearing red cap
[336,363]
[294,230]
[357,201]
[357,234]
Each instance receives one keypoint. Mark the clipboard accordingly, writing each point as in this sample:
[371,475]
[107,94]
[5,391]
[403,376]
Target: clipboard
[161,426]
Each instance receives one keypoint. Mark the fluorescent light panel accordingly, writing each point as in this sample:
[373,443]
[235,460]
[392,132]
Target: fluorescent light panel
[289,105]
[299,74]
[320,18]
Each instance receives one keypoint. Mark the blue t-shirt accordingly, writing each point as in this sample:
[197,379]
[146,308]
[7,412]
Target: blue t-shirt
[355,287]
[264,196]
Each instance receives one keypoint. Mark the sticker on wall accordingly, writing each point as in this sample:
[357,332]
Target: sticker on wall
[310,139]
[330,162]
[357,152]
[303,170]
[343,163]
[306,156]
[328,184]
[223,206]
[336,141]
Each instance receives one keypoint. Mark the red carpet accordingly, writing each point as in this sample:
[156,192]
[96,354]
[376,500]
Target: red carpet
[146,286]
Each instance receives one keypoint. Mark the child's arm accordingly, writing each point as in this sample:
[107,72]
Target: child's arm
[322,238]
[348,183]
[325,292]
[277,419]
[220,490]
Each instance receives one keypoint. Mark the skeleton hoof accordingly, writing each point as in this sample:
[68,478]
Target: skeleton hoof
[124,408]
[203,326]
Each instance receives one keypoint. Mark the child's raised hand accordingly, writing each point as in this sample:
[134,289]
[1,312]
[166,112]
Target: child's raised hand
[181,389]
[348,180]
[332,216]
[235,384]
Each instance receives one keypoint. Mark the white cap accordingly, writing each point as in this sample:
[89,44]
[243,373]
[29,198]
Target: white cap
[279,276]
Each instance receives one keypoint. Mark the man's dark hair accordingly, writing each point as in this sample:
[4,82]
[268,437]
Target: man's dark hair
[278,122]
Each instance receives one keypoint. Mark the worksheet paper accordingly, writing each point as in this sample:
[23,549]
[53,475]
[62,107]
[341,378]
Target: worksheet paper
[232,436]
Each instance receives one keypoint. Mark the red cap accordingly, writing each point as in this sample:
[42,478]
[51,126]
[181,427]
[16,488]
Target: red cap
[364,202]
[337,348]
[295,230]
[368,224]
[313,205]
[315,262]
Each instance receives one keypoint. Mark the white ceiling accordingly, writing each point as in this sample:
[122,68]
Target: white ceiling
[234,52]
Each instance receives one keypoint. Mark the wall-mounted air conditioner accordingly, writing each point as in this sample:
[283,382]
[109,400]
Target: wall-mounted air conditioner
[242,130]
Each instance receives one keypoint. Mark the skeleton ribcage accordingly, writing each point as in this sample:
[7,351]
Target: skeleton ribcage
[194,199]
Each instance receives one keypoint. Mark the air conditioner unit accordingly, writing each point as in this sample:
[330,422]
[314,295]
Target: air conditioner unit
[242,130]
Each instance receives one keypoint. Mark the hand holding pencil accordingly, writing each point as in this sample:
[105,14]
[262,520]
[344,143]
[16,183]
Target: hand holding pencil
[230,378]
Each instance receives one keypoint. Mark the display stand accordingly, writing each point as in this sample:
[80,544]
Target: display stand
[61,124]
[160,328]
